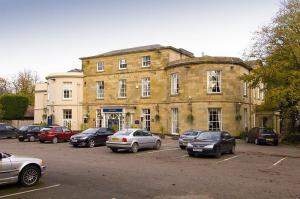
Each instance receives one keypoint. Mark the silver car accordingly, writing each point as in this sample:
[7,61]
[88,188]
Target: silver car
[25,170]
[188,137]
[133,140]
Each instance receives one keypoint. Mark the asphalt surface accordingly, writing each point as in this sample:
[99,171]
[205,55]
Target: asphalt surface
[84,173]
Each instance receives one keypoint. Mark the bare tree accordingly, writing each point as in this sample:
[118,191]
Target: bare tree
[4,86]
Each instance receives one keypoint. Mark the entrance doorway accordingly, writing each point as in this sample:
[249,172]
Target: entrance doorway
[113,124]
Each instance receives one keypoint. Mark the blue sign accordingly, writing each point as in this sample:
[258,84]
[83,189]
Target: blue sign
[112,110]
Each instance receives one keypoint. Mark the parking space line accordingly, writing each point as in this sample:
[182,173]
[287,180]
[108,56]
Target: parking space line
[158,151]
[276,163]
[29,191]
[227,159]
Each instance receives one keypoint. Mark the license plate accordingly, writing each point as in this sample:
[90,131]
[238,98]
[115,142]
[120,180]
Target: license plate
[115,139]
[20,136]
[74,140]
[199,150]
[269,140]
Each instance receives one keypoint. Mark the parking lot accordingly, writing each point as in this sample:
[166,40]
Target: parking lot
[253,172]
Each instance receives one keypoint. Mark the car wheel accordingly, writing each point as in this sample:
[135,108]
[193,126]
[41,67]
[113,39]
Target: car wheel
[114,150]
[232,150]
[31,139]
[21,139]
[54,140]
[191,154]
[29,176]
[218,154]
[157,145]
[134,148]
[182,147]
[256,141]
[91,143]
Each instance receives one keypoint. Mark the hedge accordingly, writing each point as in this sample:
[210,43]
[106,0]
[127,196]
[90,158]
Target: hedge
[13,106]
[292,138]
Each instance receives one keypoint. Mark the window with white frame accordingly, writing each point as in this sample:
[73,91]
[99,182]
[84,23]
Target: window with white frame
[98,118]
[214,81]
[67,118]
[122,64]
[245,89]
[174,121]
[214,119]
[146,119]
[146,61]
[122,88]
[174,84]
[67,90]
[100,66]
[100,90]
[146,87]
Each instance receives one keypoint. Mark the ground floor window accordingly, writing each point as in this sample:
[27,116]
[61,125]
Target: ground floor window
[67,118]
[214,119]
[174,120]
[146,119]
[98,118]
[246,119]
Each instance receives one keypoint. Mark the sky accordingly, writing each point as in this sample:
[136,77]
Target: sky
[48,36]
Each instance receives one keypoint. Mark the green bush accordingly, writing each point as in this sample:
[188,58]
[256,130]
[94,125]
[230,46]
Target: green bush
[13,106]
[292,138]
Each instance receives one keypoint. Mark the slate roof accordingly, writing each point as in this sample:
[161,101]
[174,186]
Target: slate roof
[140,49]
[209,60]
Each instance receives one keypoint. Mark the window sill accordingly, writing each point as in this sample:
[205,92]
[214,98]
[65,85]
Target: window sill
[100,71]
[146,66]
[122,97]
[123,68]
[145,97]
[215,93]
[67,99]
[174,95]
[100,98]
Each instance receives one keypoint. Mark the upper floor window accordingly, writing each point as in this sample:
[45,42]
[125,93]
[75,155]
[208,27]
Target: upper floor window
[100,90]
[67,90]
[100,66]
[146,87]
[214,81]
[245,89]
[122,88]
[122,64]
[174,84]
[146,61]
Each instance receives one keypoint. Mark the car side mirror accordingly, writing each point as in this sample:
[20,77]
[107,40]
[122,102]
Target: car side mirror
[0,156]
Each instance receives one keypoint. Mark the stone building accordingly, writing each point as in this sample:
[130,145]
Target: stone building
[59,100]
[167,90]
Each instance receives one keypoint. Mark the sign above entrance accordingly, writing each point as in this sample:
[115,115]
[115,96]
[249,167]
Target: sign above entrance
[112,110]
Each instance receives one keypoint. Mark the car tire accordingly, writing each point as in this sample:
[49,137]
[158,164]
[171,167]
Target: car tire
[157,145]
[91,143]
[21,140]
[134,148]
[191,154]
[31,139]
[182,147]
[115,150]
[232,150]
[218,154]
[256,141]
[29,176]
[55,140]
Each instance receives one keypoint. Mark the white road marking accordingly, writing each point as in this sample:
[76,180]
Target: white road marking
[158,151]
[32,190]
[276,163]
[228,159]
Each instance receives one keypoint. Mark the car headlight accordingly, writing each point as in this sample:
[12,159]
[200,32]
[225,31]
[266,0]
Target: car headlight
[189,145]
[211,146]
[83,138]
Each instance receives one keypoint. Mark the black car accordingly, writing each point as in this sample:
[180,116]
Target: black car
[91,137]
[262,135]
[212,143]
[187,137]
[7,131]
[29,132]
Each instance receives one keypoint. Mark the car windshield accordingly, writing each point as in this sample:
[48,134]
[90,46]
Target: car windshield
[213,136]
[267,131]
[124,132]
[24,128]
[90,131]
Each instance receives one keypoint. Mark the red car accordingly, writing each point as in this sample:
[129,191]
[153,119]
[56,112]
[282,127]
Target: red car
[55,134]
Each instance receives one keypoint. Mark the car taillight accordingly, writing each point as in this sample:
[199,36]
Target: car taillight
[124,139]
